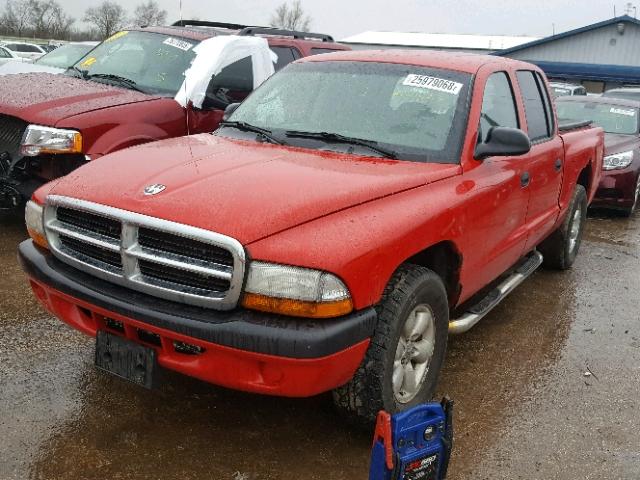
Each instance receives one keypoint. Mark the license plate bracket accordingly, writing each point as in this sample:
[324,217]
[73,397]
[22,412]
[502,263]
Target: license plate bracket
[126,359]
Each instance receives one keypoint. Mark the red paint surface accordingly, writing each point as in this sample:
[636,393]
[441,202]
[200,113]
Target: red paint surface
[220,365]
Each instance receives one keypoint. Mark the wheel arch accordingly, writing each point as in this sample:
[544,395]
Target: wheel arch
[443,258]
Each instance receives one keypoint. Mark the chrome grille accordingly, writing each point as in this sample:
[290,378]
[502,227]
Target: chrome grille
[161,258]
[11,131]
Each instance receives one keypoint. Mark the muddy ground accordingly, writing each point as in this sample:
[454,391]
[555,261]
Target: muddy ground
[524,407]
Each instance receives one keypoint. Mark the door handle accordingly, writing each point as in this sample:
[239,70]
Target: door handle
[558,165]
[525,179]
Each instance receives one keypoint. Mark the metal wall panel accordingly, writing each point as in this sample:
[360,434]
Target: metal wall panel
[604,46]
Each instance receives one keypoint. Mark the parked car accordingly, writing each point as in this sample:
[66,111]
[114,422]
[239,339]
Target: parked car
[629,93]
[342,221]
[56,61]
[559,89]
[30,51]
[7,56]
[620,184]
[132,89]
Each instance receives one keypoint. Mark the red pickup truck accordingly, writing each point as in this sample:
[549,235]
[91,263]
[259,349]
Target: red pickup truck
[134,88]
[356,209]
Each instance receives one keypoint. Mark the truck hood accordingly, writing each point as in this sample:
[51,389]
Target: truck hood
[246,190]
[46,99]
[614,143]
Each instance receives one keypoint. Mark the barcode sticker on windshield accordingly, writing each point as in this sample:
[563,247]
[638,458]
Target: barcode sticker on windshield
[433,83]
[181,44]
[623,111]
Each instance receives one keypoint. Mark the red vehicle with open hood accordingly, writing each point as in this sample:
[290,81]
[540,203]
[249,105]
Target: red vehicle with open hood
[138,86]
[351,213]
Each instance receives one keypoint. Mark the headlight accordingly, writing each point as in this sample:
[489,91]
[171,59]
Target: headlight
[618,160]
[33,216]
[38,140]
[295,291]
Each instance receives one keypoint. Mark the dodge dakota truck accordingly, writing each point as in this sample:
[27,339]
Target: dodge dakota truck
[348,216]
[138,86]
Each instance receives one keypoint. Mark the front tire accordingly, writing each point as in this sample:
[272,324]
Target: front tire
[403,362]
[630,211]
[561,247]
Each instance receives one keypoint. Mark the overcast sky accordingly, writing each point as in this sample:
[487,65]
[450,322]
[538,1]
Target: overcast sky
[347,17]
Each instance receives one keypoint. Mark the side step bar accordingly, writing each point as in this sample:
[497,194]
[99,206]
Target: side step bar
[495,296]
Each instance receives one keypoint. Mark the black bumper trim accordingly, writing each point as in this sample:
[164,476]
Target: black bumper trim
[241,329]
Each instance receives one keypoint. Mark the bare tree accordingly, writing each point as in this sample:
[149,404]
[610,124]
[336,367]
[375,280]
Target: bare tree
[15,19]
[108,18]
[47,19]
[149,14]
[291,17]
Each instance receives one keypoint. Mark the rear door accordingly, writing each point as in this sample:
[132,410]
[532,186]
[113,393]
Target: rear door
[543,174]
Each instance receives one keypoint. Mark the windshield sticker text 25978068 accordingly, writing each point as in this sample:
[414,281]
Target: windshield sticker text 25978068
[433,83]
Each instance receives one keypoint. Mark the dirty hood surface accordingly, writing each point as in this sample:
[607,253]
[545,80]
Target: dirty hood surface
[247,190]
[45,98]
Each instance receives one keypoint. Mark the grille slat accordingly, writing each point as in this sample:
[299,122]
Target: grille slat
[92,252]
[107,227]
[185,247]
[186,280]
[161,258]
[11,131]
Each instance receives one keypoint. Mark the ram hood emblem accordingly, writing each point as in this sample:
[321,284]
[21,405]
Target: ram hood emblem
[154,189]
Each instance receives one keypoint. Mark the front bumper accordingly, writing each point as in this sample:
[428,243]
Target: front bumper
[241,349]
[617,188]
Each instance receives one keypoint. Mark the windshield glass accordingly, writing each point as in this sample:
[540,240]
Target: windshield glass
[418,113]
[64,56]
[155,62]
[612,118]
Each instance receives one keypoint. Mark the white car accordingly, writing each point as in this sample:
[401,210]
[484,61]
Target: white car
[25,50]
[56,61]
[7,56]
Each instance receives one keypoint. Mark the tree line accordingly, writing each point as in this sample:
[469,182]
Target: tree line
[47,19]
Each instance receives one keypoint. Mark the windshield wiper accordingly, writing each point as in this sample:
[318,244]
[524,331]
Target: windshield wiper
[83,73]
[263,133]
[336,137]
[126,82]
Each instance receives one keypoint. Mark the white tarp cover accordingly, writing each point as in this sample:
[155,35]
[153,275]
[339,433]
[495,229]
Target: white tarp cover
[214,54]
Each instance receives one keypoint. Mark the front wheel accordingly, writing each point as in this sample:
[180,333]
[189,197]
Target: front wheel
[403,362]
[561,247]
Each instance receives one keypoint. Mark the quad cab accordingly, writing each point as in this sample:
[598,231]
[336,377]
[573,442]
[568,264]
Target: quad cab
[349,215]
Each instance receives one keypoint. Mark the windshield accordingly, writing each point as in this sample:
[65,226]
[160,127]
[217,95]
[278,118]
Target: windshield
[418,113]
[612,118]
[64,56]
[154,62]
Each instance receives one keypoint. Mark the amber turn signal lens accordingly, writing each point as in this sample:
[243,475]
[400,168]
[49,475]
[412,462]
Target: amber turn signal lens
[38,239]
[297,308]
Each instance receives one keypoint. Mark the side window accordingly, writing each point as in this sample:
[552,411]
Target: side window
[536,106]
[233,84]
[4,53]
[286,55]
[498,105]
[31,49]
[548,109]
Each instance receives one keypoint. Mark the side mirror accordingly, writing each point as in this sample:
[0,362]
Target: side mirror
[503,142]
[232,107]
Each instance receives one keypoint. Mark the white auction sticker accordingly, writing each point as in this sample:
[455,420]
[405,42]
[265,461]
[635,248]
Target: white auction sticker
[181,44]
[433,83]
[623,111]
